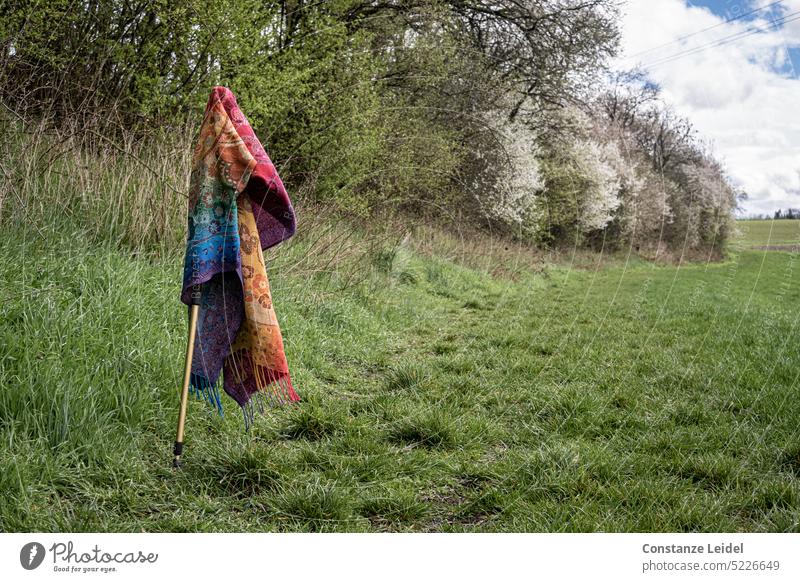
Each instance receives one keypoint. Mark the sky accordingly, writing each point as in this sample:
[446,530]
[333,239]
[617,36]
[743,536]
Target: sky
[736,76]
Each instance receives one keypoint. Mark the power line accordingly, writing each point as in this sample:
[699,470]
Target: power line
[725,40]
[690,35]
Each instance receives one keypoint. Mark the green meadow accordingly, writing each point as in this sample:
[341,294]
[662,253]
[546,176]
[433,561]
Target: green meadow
[769,232]
[572,393]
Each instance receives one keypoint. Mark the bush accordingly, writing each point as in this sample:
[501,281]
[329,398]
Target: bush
[504,177]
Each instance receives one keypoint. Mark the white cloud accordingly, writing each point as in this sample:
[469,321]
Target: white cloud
[742,95]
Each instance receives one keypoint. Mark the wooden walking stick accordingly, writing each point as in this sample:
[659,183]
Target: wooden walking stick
[178,450]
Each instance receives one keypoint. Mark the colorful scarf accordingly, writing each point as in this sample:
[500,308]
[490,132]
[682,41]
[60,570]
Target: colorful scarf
[237,207]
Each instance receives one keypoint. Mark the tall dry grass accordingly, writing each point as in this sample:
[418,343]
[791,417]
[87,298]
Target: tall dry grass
[129,193]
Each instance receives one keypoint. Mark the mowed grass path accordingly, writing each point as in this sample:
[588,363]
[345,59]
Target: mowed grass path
[626,397]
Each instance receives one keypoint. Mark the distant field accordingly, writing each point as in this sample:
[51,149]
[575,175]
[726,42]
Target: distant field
[757,233]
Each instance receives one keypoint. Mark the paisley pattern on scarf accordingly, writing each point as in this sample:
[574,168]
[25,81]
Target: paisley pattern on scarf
[237,207]
[257,357]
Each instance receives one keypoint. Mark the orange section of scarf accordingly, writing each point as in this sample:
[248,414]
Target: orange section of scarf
[259,337]
[224,155]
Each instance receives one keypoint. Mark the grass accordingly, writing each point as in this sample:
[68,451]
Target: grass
[769,232]
[620,396]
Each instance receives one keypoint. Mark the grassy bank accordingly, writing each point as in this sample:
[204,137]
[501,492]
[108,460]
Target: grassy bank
[617,396]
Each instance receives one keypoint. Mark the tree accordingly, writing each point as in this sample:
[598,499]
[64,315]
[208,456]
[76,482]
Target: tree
[547,51]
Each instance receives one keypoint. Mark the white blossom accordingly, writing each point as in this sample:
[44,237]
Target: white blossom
[516,173]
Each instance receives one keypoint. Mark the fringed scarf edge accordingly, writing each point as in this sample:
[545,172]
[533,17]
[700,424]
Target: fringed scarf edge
[274,389]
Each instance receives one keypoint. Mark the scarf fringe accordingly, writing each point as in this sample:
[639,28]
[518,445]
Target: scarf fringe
[272,388]
[202,389]
[278,393]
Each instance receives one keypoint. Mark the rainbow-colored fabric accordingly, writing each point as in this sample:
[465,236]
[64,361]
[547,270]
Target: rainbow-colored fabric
[238,206]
